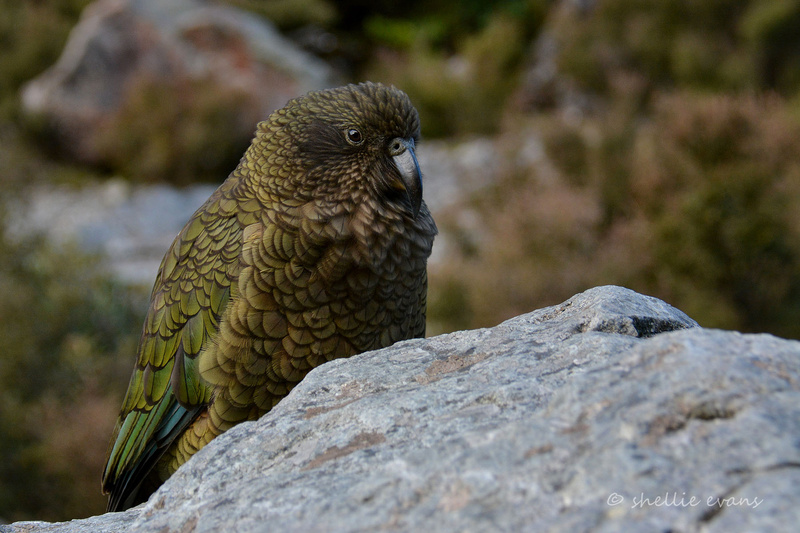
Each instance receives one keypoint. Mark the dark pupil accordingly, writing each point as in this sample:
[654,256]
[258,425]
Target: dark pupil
[354,135]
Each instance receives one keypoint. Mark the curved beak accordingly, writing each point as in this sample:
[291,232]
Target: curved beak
[404,158]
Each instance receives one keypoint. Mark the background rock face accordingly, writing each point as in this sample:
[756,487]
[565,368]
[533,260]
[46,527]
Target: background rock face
[119,44]
[610,412]
[130,226]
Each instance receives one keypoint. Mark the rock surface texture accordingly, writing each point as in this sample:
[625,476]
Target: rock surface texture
[610,412]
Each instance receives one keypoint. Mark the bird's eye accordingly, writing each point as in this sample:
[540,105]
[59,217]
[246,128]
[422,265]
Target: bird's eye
[354,136]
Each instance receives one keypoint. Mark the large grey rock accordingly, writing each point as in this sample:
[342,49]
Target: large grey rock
[120,42]
[610,412]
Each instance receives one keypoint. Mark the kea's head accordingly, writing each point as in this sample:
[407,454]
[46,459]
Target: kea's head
[352,143]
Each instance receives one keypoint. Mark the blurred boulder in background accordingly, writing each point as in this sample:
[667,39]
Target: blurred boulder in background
[130,227]
[196,51]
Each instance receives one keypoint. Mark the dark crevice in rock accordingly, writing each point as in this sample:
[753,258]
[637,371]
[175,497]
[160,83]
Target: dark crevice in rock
[646,326]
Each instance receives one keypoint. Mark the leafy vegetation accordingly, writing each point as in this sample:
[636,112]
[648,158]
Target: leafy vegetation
[459,82]
[678,179]
[181,132]
[698,205]
[32,35]
[67,332]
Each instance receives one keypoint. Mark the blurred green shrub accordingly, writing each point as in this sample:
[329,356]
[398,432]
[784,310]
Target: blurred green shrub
[289,14]
[68,335]
[529,242]
[717,45]
[459,81]
[32,35]
[178,132]
[698,205]
[770,28]
[726,230]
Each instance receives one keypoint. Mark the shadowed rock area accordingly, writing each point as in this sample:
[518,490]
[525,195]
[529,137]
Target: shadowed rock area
[610,412]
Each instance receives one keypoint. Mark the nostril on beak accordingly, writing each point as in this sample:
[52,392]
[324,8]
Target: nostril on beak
[398,146]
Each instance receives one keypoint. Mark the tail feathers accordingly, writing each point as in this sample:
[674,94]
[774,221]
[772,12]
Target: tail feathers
[133,486]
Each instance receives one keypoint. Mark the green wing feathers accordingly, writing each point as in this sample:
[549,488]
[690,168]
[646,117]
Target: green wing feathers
[166,394]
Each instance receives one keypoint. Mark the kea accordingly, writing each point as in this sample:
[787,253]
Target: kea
[314,248]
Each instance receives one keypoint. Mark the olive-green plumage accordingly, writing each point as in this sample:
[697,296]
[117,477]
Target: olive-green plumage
[314,248]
